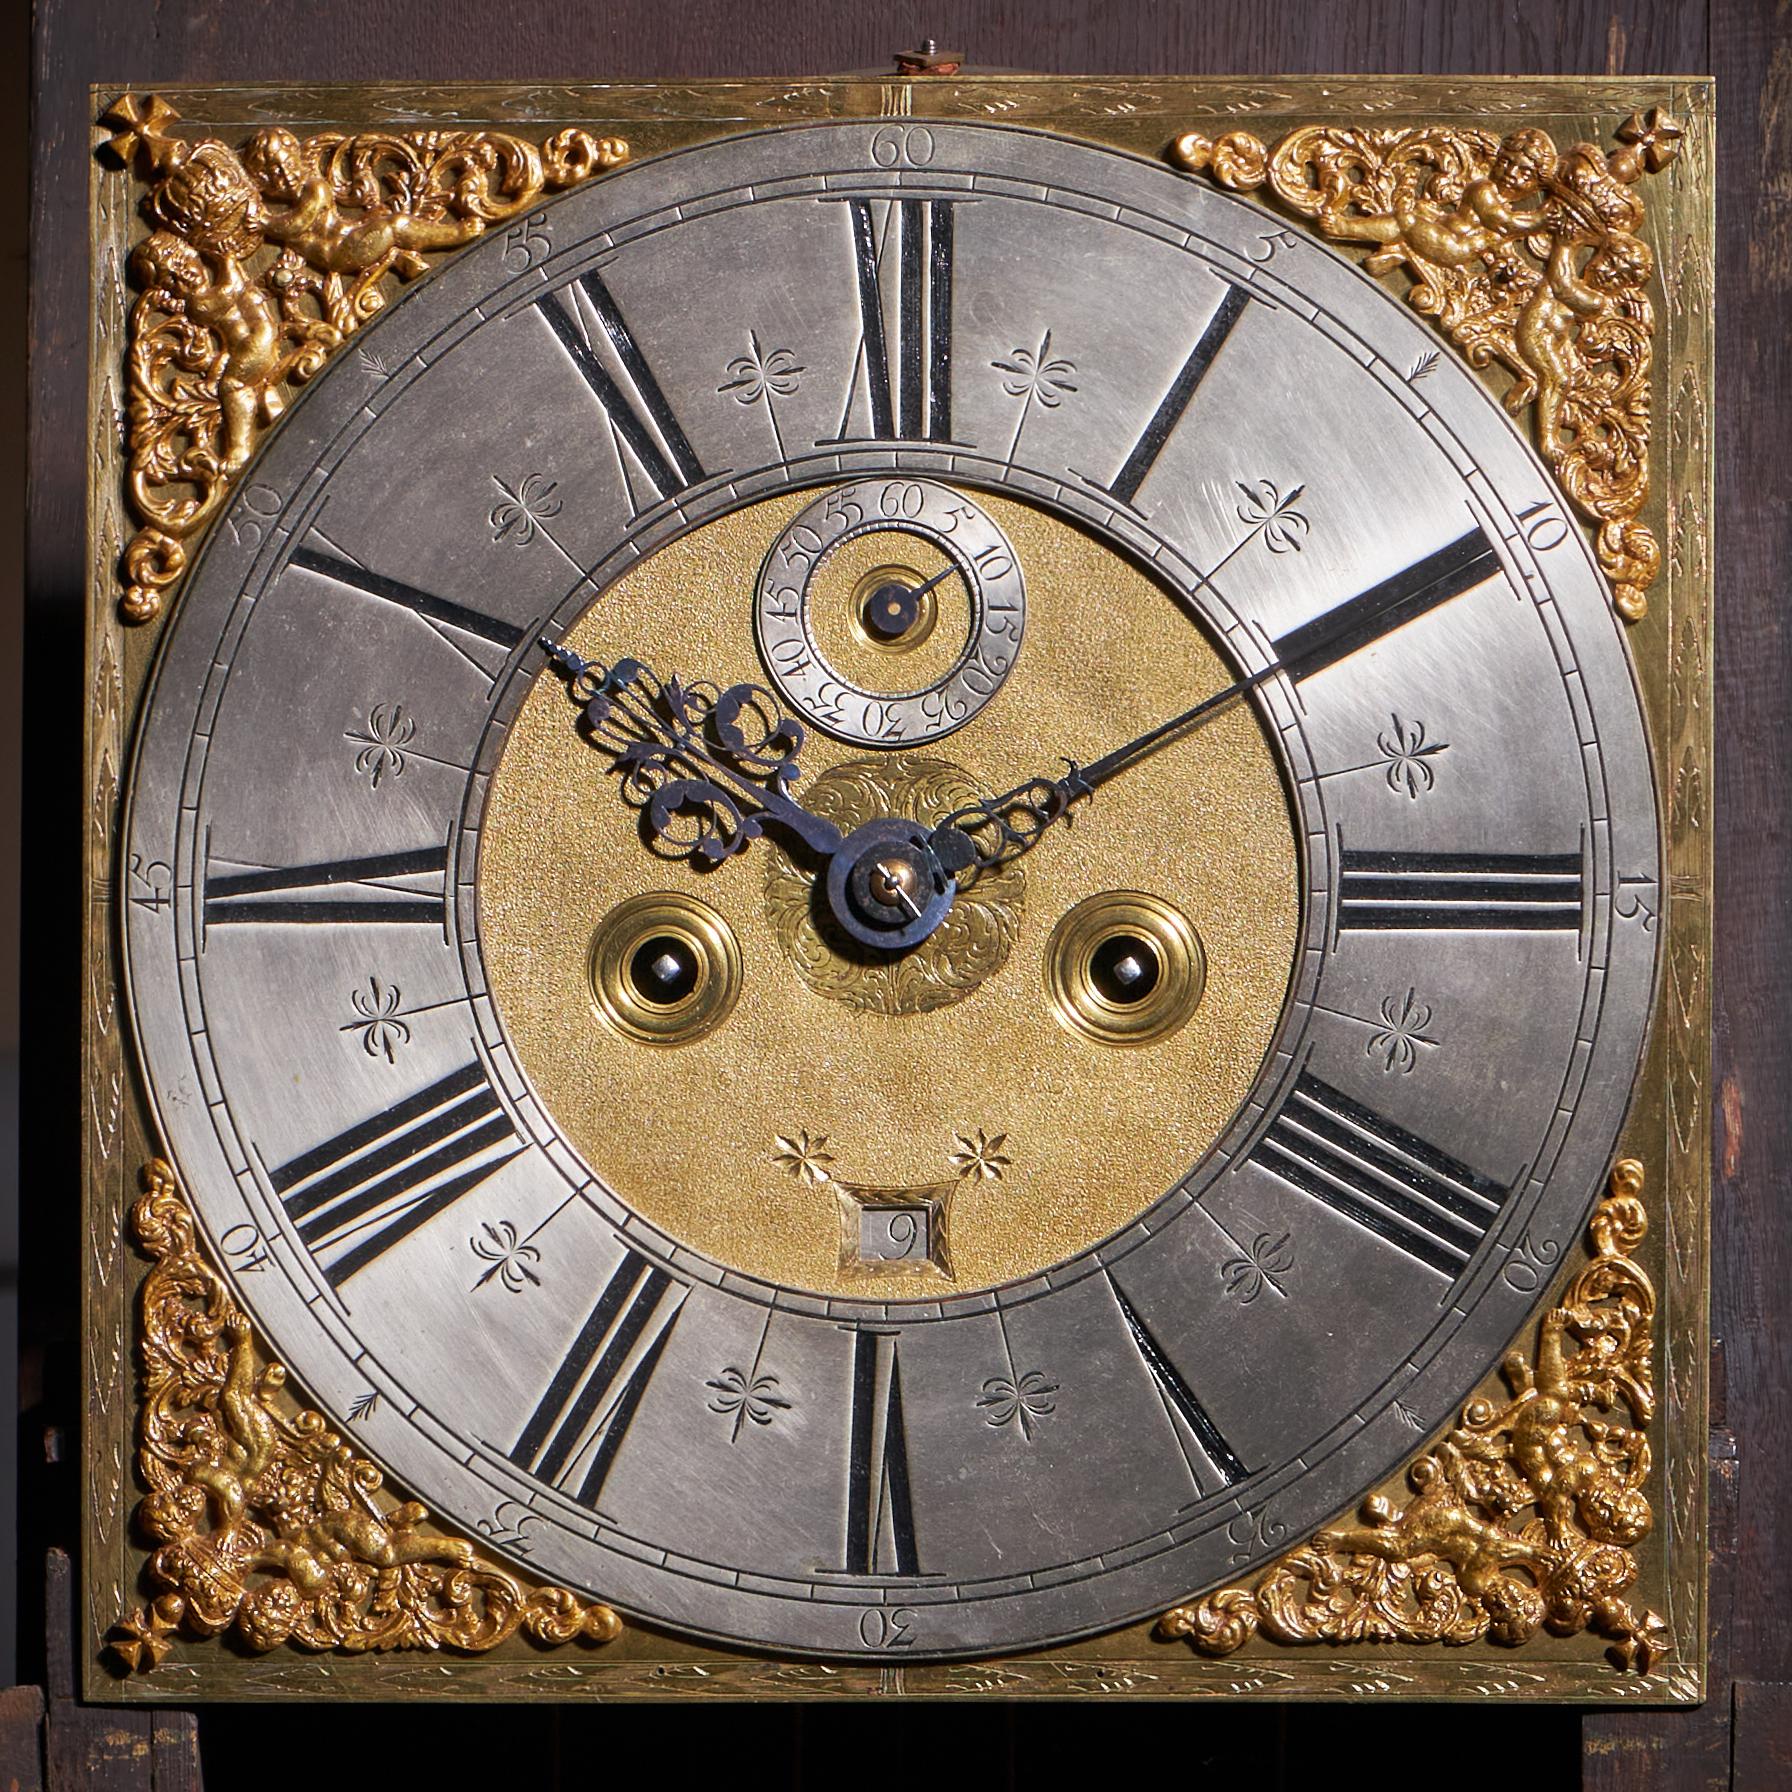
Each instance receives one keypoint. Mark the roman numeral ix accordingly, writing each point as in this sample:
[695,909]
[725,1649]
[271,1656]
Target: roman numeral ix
[572,1438]
[1362,1165]
[908,378]
[1457,891]
[880,1515]
[642,419]
[395,887]
[356,1195]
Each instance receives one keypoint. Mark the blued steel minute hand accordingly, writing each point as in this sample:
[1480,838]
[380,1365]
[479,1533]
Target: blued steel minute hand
[1003,827]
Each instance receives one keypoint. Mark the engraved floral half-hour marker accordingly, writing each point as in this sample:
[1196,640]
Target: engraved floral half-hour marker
[1269,1254]
[523,508]
[1409,755]
[1022,1400]
[380,1023]
[512,1257]
[763,376]
[382,742]
[1038,378]
[1397,1040]
[746,1397]
[1269,511]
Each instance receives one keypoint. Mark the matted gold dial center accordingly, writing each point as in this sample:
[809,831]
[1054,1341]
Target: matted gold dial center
[947,1067]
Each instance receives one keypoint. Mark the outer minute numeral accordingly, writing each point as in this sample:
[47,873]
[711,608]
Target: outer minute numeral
[578,1425]
[1483,891]
[375,889]
[1431,1205]
[356,1195]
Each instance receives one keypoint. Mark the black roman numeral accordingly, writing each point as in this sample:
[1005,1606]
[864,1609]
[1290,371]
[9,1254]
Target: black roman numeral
[1488,891]
[577,1428]
[669,468]
[1179,1396]
[1465,563]
[356,1195]
[380,888]
[437,611]
[880,1515]
[1432,1205]
[1169,412]
[908,382]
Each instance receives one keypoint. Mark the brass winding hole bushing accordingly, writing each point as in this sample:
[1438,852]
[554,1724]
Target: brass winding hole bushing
[1125,968]
[665,969]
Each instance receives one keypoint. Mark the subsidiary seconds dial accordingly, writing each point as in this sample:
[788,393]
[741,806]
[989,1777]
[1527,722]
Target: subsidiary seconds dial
[890,610]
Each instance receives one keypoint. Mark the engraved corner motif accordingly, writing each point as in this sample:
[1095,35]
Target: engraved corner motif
[1526,257]
[1525,1515]
[261,261]
[267,1526]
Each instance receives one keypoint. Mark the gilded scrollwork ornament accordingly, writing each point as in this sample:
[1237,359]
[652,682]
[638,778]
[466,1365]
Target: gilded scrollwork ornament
[260,262]
[1525,1515]
[267,1526]
[1527,257]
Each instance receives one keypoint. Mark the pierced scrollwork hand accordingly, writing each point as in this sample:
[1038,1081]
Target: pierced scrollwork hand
[1001,828]
[708,768]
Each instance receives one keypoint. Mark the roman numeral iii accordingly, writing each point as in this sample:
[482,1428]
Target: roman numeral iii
[1458,891]
[1431,1205]
[358,1194]
[579,1423]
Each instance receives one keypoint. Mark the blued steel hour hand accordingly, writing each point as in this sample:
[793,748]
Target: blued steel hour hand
[709,769]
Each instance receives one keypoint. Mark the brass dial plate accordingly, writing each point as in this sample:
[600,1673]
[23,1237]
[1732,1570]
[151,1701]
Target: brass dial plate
[694,1145]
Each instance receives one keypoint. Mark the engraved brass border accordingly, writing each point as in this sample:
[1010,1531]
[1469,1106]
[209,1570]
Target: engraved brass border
[266,1525]
[1668,1123]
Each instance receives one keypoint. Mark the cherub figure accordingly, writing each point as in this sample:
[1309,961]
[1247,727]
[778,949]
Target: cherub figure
[253,354]
[1485,219]
[1551,328]
[1442,1524]
[315,228]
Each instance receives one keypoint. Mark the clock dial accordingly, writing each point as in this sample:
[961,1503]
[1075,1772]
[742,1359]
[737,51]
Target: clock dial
[908,963]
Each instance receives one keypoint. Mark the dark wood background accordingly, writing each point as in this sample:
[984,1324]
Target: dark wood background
[1743,1736]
